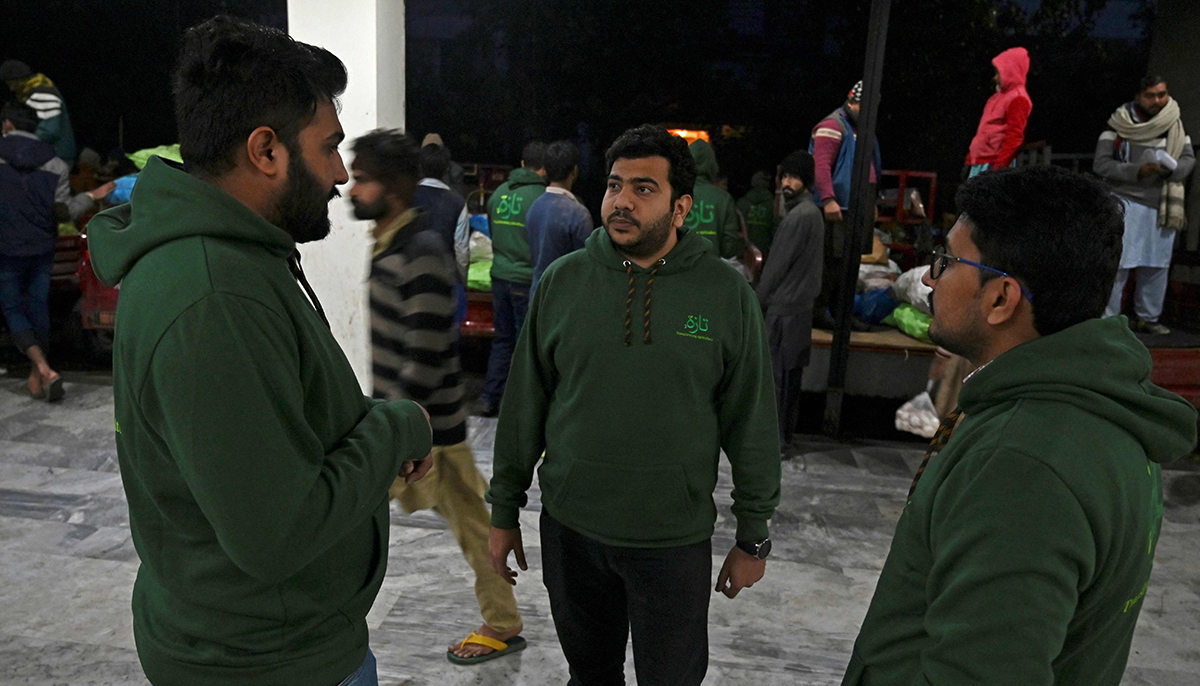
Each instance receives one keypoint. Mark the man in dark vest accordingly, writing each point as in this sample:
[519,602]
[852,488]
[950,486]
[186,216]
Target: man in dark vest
[445,210]
[832,146]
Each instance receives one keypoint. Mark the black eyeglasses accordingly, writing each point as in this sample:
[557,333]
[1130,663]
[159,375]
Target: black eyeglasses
[941,260]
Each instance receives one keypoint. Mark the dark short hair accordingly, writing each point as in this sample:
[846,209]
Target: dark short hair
[22,116]
[1057,231]
[390,156]
[234,76]
[562,157]
[800,165]
[649,140]
[435,161]
[1150,81]
[533,156]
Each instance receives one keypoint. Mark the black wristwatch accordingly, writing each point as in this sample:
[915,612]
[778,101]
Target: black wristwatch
[760,550]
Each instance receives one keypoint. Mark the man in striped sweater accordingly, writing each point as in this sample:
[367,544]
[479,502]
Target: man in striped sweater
[415,357]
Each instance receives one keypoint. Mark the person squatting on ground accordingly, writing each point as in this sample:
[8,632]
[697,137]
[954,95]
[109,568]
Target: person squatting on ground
[789,284]
[1145,156]
[1002,127]
[834,140]
[414,350]
[512,268]
[40,93]
[34,185]
[256,471]
[643,357]
[1024,552]
[558,223]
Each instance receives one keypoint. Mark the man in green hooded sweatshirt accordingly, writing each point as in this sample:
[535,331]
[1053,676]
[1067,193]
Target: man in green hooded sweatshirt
[256,471]
[714,213]
[758,207]
[1025,549]
[643,357]
[512,267]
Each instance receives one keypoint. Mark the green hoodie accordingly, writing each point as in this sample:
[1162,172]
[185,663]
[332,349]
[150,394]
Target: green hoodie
[758,207]
[1025,551]
[632,433]
[255,469]
[713,215]
[507,208]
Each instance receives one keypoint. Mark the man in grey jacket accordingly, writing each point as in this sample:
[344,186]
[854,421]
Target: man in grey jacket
[790,282]
[1145,156]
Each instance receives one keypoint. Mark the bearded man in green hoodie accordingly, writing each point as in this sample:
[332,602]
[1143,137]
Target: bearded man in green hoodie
[1025,549]
[256,471]
[642,358]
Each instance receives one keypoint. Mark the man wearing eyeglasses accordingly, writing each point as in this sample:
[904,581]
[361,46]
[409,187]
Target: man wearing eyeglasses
[1025,549]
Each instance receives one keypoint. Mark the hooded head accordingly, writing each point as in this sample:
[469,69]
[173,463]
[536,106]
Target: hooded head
[706,161]
[1013,67]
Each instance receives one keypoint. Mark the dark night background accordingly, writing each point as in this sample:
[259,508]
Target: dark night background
[489,74]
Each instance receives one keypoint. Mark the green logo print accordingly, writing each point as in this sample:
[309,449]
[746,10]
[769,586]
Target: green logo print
[509,206]
[702,213]
[696,327]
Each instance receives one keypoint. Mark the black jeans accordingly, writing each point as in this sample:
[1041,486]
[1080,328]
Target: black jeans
[510,303]
[599,594]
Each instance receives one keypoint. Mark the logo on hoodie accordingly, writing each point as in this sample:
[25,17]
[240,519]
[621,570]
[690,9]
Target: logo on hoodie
[702,213]
[695,327]
[510,206]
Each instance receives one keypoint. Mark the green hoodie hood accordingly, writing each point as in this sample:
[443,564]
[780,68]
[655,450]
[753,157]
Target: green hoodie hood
[1100,367]
[524,177]
[706,161]
[682,257]
[161,210]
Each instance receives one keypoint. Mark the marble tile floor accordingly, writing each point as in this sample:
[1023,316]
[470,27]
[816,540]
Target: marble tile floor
[67,566]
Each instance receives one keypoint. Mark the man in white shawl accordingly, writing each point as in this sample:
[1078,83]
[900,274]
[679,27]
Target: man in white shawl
[1146,156]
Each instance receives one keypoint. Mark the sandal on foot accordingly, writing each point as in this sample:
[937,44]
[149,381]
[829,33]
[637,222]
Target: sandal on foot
[499,648]
[54,391]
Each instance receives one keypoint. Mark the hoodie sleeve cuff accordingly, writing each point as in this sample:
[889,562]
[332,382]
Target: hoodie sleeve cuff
[748,530]
[506,516]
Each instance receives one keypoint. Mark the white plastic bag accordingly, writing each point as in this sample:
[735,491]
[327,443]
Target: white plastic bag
[481,247]
[909,289]
[918,416]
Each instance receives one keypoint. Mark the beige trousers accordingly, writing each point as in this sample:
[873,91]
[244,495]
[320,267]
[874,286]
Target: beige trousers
[454,489]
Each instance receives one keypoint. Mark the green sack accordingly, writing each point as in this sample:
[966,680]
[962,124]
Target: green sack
[479,276]
[167,152]
[911,321]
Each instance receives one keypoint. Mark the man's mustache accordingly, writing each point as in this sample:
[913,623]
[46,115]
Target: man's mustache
[622,214]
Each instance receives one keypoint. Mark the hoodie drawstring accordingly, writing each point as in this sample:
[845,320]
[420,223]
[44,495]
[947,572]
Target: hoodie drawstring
[629,304]
[294,266]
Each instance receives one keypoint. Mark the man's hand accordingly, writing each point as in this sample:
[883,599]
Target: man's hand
[741,570]
[1152,169]
[416,469]
[102,191]
[500,543]
[833,212]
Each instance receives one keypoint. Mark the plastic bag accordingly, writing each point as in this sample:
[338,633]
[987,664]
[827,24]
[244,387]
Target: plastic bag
[917,416]
[479,276]
[874,306]
[911,321]
[481,248]
[909,289]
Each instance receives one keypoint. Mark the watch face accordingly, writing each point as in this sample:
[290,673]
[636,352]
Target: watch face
[764,549]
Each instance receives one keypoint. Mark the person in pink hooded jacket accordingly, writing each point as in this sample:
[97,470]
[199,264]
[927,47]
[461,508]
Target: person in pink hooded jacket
[1002,127]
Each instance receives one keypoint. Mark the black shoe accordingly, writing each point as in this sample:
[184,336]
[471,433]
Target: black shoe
[488,408]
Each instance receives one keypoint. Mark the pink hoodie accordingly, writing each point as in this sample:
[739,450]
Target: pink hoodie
[1002,127]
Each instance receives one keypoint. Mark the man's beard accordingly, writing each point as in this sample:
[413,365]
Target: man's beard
[303,207]
[790,194]
[968,341]
[369,211]
[652,238]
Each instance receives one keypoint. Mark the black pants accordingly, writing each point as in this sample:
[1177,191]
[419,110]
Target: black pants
[599,594]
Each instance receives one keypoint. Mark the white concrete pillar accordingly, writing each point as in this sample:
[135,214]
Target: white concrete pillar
[368,36]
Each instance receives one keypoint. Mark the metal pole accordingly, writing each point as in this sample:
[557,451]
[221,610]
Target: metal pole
[861,214]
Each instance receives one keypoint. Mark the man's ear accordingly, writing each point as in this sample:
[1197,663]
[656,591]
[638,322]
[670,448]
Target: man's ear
[1004,301]
[267,153]
[682,207]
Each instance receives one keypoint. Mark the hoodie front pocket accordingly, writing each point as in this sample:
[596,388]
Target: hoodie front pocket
[630,503]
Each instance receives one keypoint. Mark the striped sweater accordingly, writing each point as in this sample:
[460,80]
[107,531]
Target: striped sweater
[413,343]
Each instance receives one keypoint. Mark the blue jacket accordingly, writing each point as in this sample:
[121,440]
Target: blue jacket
[843,167]
[30,176]
[556,225]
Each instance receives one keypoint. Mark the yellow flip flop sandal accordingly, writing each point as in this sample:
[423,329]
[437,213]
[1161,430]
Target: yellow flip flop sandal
[499,648]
